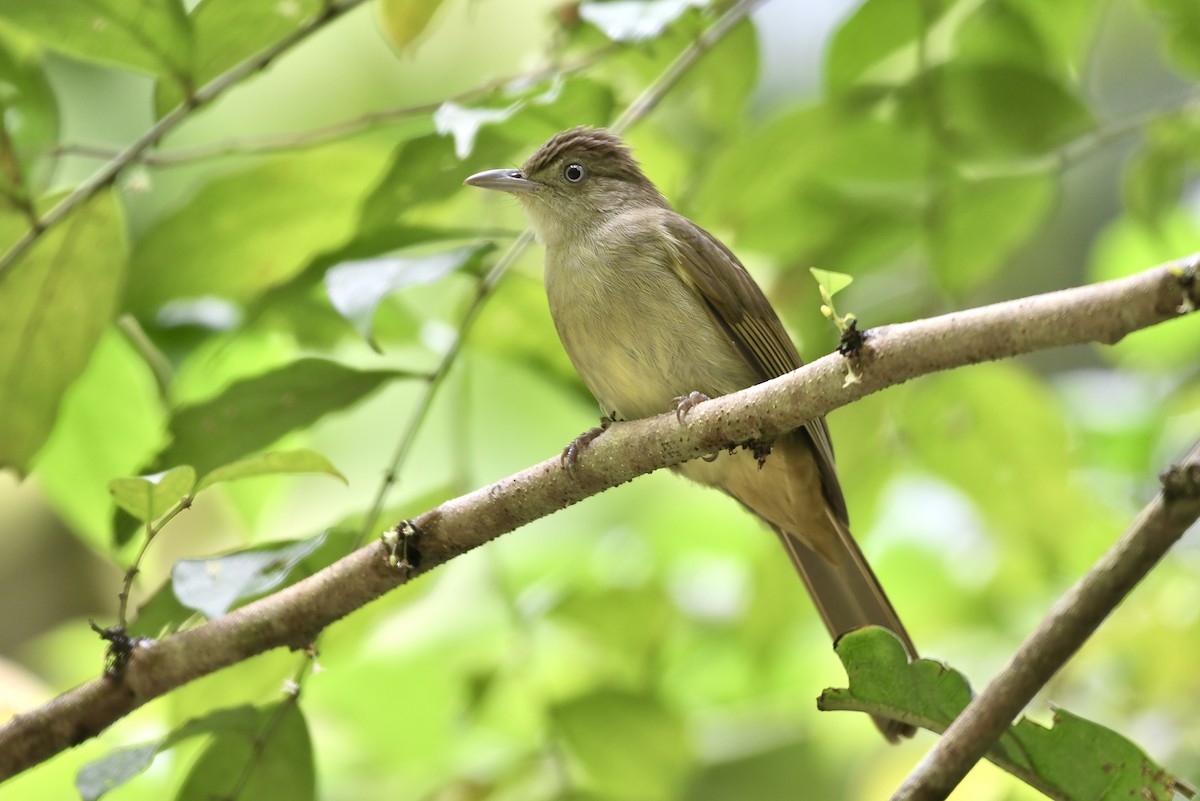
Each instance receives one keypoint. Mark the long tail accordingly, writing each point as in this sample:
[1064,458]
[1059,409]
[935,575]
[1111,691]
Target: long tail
[848,596]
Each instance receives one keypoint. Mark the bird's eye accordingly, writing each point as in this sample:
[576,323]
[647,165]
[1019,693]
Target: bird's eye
[574,173]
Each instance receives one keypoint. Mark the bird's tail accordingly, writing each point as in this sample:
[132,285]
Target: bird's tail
[848,596]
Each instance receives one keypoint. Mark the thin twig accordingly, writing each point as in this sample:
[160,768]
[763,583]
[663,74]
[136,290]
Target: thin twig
[1061,633]
[211,90]
[269,143]
[654,93]
[482,291]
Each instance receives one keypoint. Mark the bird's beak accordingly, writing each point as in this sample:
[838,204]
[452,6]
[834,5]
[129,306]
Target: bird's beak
[503,180]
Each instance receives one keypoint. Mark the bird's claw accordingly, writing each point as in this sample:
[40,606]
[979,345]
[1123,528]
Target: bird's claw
[570,454]
[685,403]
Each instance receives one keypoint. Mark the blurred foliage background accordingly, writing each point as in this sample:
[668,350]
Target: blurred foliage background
[651,643]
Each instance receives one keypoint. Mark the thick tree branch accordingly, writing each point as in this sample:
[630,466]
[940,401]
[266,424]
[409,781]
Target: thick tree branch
[892,355]
[1072,620]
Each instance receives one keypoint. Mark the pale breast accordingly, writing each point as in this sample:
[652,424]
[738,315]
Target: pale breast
[637,335]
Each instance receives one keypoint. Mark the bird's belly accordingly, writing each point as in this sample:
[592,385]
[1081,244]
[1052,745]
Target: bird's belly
[639,340]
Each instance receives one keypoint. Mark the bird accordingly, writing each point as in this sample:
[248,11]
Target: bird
[657,314]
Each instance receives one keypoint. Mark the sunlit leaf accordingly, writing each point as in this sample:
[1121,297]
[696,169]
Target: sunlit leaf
[356,288]
[112,420]
[146,35]
[29,114]
[148,497]
[248,231]
[635,20]
[1074,759]
[464,123]
[57,300]
[272,464]
[217,584]
[403,21]
[226,32]
[831,282]
[878,43]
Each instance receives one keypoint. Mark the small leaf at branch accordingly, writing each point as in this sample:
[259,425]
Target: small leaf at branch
[302,460]
[148,497]
[830,282]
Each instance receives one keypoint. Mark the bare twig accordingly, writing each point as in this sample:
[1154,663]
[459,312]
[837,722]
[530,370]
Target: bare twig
[1060,634]
[297,140]
[892,355]
[205,94]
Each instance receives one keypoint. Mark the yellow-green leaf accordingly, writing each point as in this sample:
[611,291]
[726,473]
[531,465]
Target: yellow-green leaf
[149,497]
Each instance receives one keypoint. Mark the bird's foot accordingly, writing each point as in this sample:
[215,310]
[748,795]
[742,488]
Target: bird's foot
[685,403]
[570,454]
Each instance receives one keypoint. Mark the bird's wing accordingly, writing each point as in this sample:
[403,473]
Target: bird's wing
[739,306]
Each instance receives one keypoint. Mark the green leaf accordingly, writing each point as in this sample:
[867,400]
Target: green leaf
[1075,759]
[254,412]
[163,613]
[356,288]
[1049,38]
[120,765]
[246,232]
[974,225]
[113,769]
[1180,20]
[57,300]
[1127,246]
[625,746]
[227,32]
[878,43]
[214,585]
[830,282]
[112,420]
[403,21]
[150,36]
[160,614]
[975,106]
[303,460]
[29,114]
[1156,175]
[149,497]
[428,169]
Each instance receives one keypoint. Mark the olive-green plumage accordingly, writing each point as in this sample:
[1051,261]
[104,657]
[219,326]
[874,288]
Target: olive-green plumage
[650,308]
